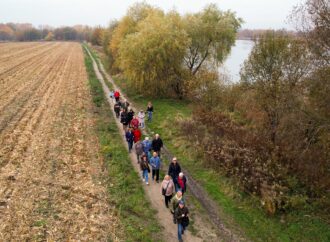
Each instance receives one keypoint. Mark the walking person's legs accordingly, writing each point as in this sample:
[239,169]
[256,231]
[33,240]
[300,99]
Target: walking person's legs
[180,232]
[145,176]
[138,158]
[167,200]
[153,174]
[149,116]
[157,175]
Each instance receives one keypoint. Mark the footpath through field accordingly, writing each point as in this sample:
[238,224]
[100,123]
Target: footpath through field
[153,191]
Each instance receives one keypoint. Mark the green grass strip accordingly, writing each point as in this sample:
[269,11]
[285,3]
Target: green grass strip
[125,189]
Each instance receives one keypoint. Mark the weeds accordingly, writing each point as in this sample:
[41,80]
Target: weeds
[125,192]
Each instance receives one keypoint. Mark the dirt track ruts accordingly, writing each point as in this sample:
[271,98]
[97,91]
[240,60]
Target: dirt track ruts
[205,232]
[210,207]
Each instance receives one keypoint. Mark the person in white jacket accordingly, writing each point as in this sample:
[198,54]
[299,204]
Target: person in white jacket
[141,116]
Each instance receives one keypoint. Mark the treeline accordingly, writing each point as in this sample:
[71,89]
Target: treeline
[166,54]
[251,34]
[27,32]
[271,131]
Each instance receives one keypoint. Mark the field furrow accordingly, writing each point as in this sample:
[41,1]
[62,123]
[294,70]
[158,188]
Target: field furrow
[51,182]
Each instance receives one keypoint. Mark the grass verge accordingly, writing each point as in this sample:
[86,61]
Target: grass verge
[125,190]
[239,211]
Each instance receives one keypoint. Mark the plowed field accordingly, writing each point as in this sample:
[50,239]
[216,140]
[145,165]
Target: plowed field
[51,185]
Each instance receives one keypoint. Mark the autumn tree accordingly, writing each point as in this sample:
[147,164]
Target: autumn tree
[151,58]
[212,33]
[6,33]
[50,36]
[275,68]
[97,36]
[128,25]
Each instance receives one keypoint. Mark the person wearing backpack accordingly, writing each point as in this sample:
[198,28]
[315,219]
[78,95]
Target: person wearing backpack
[144,165]
[182,219]
[167,189]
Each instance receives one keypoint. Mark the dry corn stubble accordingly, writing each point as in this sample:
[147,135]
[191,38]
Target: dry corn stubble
[51,182]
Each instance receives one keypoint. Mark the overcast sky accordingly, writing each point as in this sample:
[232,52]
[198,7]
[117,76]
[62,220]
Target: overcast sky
[256,13]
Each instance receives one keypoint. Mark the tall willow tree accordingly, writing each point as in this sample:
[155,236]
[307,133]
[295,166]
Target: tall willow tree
[151,58]
[212,33]
[128,25]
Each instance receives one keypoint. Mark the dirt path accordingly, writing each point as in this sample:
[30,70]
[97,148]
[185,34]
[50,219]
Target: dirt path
[50,175]
[153,191]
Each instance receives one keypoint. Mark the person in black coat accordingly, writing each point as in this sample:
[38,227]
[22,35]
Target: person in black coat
[116,108]
[123,119]
[174,170]
[181,216]
[157,144]
[130,116]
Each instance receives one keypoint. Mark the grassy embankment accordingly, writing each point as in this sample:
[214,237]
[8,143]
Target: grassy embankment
[125,190]
[237,209]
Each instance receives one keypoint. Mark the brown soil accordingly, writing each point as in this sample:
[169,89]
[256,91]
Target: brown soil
[51,185]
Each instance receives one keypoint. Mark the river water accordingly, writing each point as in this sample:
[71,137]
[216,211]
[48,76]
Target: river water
[239,53]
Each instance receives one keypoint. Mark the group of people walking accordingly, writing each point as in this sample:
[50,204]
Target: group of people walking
[148,154]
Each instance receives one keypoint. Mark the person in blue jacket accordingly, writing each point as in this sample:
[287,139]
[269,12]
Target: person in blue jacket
[155,165]
[129,138]
[146,145]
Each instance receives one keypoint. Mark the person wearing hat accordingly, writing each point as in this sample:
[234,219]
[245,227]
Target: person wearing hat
[182,219]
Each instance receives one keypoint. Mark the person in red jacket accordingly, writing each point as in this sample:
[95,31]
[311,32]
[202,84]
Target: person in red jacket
[182,181]
[116,95]
[135,123]
[137,135]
